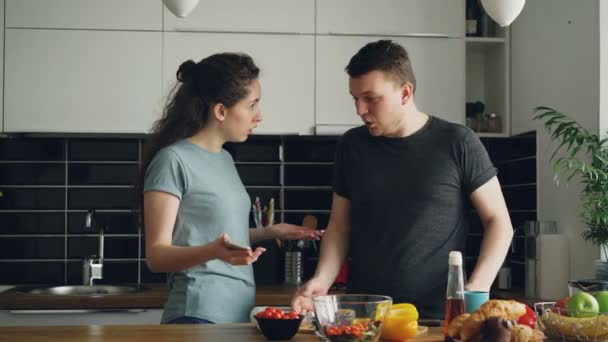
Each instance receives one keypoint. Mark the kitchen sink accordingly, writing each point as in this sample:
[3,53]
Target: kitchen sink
[82,290]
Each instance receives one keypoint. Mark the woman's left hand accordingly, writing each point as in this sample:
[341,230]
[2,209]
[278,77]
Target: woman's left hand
[286,231]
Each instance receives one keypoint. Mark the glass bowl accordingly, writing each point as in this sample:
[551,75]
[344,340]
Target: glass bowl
[351,317]
[556,324]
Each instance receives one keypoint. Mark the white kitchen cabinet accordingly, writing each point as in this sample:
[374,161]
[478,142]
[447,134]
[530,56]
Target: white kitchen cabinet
[287,16]
[81,81]
[79,317]
[287,72]
[438,65]
[391,17]
[85,14]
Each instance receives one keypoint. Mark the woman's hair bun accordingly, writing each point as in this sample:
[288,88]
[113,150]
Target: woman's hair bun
[185,73]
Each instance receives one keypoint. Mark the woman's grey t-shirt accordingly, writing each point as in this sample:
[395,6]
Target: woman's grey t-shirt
[213,200]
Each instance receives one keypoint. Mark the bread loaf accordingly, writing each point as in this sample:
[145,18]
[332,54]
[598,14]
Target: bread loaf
[507,309]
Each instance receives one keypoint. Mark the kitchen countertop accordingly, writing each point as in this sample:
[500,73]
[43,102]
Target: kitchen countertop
[155,297]
[152,333]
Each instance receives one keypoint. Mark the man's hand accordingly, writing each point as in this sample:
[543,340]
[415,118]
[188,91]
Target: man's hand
[302,300]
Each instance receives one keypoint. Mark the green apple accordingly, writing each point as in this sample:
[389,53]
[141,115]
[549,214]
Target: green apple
[582,305]
[602,300]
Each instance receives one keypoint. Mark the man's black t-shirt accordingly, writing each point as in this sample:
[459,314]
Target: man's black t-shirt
[409,202]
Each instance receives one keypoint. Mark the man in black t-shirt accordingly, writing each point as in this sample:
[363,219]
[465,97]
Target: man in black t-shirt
[403,185]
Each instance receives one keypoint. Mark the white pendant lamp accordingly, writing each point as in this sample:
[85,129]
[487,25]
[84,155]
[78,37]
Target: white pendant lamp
[503,11]
[181,8]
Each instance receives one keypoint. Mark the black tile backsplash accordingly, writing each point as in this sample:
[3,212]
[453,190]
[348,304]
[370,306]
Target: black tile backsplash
[101,198]
[121,247]
[25,198]
[521,197]
[32,149]
[308,199]
[256,175]
[113,223]
[113,272]
[257,149]
[33,272]
[31,223]
[103,149]
[32,174]
[309,149]
[120,272]
[102,174]
[15,248]
[83,247]
[50,183]
[114,247]
[308,175]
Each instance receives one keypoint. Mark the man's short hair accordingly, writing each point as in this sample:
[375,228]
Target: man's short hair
[386,56]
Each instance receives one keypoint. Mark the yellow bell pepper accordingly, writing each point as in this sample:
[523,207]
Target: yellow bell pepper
[401,322]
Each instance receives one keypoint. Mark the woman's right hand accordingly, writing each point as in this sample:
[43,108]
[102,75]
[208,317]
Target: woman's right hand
[235,257]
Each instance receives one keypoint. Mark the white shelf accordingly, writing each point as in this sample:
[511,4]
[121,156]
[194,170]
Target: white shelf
[488,78]
[491,135]
[485,40]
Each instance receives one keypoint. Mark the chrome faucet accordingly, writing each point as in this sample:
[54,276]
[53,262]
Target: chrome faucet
[92,266]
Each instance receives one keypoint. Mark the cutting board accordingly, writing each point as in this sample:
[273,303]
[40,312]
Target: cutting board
[426,334]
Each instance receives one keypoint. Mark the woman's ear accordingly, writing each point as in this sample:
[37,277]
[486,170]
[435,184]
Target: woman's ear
[219,112]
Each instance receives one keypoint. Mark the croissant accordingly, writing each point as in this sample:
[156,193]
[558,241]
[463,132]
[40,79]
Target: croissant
[456,325]
[507,309]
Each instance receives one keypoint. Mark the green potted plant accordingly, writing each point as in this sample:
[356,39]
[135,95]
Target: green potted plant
[585,156]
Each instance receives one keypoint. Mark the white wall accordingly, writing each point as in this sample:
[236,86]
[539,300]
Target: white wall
[603,13]
[555,63]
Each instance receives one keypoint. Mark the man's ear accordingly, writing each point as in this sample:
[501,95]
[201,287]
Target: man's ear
[219,112]
[407,90]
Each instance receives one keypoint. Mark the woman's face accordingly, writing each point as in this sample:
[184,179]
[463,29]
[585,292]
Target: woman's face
[244,116]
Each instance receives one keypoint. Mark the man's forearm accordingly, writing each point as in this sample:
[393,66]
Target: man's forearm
[494,248]
[334,248]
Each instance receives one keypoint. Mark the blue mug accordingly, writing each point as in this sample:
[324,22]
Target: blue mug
[474,299]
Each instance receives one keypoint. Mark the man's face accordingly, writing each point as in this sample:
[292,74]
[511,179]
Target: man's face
[379,101]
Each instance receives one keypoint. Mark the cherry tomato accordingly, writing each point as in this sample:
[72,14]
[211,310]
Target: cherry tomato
[331,331]
[263,314]
[529,318]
